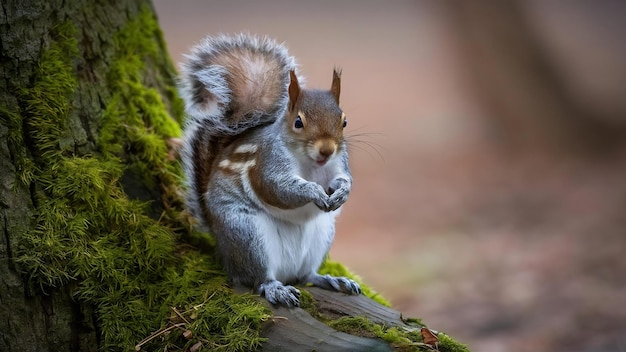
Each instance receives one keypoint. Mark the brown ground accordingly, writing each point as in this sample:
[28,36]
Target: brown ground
[506,252]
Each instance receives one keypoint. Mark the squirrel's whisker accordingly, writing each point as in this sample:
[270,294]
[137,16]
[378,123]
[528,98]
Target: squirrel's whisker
[357,140]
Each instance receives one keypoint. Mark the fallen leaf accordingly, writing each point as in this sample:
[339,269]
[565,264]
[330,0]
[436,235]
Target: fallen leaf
[430,338]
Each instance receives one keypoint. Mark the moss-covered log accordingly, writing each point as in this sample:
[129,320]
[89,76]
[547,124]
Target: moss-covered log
[332,322]
[96,252]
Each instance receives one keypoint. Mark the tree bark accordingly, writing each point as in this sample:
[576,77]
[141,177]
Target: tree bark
[54,320]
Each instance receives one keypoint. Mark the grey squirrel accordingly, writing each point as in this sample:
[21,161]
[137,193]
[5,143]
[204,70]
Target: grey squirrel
[266,164]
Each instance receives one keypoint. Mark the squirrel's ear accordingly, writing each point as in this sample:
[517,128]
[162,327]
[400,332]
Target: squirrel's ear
[294,90]
[335,88]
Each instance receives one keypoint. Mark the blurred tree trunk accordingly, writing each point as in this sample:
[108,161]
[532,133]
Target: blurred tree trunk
[518,85]
[32,320]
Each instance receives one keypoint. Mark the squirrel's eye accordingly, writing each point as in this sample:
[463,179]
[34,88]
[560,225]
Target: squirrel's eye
[345,123]
[298,123]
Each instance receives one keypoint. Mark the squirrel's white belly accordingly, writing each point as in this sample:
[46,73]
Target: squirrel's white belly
[295,250]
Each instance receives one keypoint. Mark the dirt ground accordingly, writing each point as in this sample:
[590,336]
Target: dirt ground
[504,251]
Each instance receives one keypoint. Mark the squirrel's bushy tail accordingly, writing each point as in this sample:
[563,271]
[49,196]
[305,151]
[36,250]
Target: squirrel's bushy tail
[229,84]
[232,83]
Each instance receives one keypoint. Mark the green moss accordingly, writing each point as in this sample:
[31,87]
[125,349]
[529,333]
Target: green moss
[131,267]
[447,343]
[402,339]
[307,302]
[48,103]
[359,326]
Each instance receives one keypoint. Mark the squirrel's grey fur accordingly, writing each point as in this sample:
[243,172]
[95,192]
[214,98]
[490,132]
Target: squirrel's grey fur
[268,191]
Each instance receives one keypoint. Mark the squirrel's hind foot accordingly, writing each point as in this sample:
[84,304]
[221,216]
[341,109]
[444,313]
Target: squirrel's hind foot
[339,284]
[277,293]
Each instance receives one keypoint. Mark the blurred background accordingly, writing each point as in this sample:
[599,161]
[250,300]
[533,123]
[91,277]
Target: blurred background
[488,152]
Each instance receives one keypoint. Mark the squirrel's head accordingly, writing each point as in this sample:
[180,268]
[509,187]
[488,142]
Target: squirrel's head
[315,119]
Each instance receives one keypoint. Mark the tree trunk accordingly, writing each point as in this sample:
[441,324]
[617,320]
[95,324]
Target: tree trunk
[55,65]
[517,82]
[96,252]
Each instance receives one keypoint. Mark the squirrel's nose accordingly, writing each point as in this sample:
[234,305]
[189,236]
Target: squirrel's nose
[326,152]
[325,148]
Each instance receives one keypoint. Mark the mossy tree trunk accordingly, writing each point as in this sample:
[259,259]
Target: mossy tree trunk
[59,64]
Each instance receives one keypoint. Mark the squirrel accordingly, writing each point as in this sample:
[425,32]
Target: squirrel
[266,164]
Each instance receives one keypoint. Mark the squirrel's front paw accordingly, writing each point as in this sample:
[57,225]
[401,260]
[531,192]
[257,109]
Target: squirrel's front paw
[322,199]
[277,293]
[339,190]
